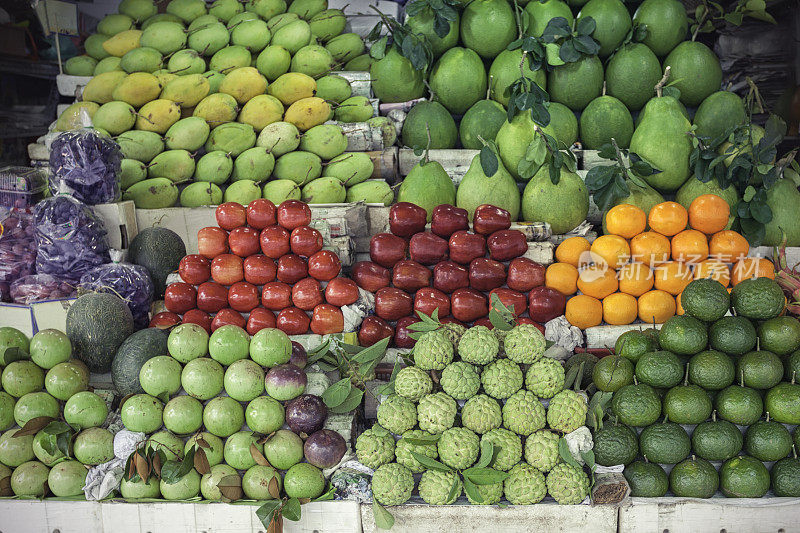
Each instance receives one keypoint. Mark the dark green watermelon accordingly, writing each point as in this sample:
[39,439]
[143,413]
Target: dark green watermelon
[132,355]
[97,324]
[159,250]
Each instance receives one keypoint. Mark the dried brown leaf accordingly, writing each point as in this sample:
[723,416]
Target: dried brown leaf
[142,467]
[5,487]
[203,443]
[33,426]
[304,501]
[231,487]
[157,464]
[273,488]
[201,462]
[257,456]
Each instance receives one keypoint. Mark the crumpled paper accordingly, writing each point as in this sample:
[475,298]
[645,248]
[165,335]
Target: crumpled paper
[562,333]
[355,313]
[579,441]
[105,478]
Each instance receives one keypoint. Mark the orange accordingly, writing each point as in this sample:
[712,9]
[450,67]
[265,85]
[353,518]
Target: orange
[668,218]
[597,281]
[728,246]
[562,277]
[690,246]
[752,267]
[678,307]
[672,277]
[709,213]
[650,248]
[614,250]
[619,309]
[711,268]
[635,279]
[655,307]
[625,220]
[570,250]
[584,311]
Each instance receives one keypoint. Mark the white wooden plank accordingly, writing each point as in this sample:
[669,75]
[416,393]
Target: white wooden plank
[72,517]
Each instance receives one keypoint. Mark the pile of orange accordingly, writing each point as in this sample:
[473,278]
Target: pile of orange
[639,268]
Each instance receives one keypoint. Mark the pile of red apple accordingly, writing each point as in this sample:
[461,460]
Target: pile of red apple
[452,269]
[262,267]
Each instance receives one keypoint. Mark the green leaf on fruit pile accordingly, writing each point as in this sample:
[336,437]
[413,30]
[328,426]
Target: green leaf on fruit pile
[328,495]
[489,162]
[372,353]
[231,488]
[350,403]
[472,491]
[268,512]
[383,518]
[423,440]
[671,91]
[500,316]
[33,426]
[572,44]
[455,490]
[291,509]
[430,464]
[564,453]
[487,454]
[378,50]
[484,476]
[337,392]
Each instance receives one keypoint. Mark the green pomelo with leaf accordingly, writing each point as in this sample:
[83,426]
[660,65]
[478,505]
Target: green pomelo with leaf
[429,120]
[499,189]
[420,20]
[540,13]
[563,205]
[458,79]
[576,84]
[666,24]
[481,121]
[394,78]
[505,70]
[613,23]
[718,113]
[606,118]
[488,26]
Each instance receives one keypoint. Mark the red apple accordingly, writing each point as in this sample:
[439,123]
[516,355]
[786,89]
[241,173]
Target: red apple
[307,294]
[259,319]
[212,297]
[524,274]
[449,276]
[327,319]
[465,246]
[231,215]
[227,269]
[164,320]
[447,219]
[372,330]
[528,320]
[291,269]
[387,249]
[194,269]
[180,297]
[370,276]
[406,219]
[487,219]
[468,305]
[516,301]
[401,332]
[244,241]
[228,316]
[410,275]
[261,213]
[450,320]
[212,241]
[293,321]
[341,292]
[259,269]
[196,316]
[276,295]
[392,303]
[293,214]
[545,304]
[427,248]
[324,265]
[305,241]
[428,299]
[485,322]
[274,241]
[243,296]
[506,244]
[486,274]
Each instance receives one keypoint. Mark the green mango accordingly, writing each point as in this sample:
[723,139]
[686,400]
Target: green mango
[185,62]
[266,9]
[350,168]
[324,191]
[160,17]
[371,192]
[242,192]
[115,23]
[326,141]
[314,60]
[345,47]
[176,165]
[292,36]
[300,167]
[241,17]
[114,117]
[476,188]
[76,116]
[230,58]
[202,21]
[278,191]
[80,66]
[94,46]
[273,62]
[109,64]
[187,10]
[252,34]
[354,109]
[225,9]
[362,63]
[254,164]
[187,91]
[201,193]
[279,138]
[327,24]
[280,20]
[334,88]
[138,10]
[232,137]
[166,37]
[131,171]
[142,59]
[140,145]
[386,127]
[215,79]
[214,167]
[217,109]
[209,39]
[429,115]
[306,9]
[154,193]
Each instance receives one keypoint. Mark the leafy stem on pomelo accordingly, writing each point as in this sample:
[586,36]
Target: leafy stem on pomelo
[704,19]
[608,183]
[573,43]
[410,45]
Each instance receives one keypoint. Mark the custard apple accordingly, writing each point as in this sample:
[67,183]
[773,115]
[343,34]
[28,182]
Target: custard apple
[433,351]
[567,411]
[435,487]
[412,383]
[523,413]
[524,344]
[397,414]
[541,450]
[567,485]
[478,345]
[436,412]
[525,485]
[481,414]
[501,378]
[453,331]
[375,447]
[460,380]
[490,494]
[458,448]
[392,484]
[404,447]
[507,447]
[544,378]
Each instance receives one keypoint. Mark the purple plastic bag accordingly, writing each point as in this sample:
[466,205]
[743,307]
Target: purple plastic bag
[87,166]
[38,287]
[17,247]
[130,282]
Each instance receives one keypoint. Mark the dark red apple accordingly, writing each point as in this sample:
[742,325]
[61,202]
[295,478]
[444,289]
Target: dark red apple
[259,269]
[341,292]
[227,269]
[450,320]
[293,214]
[305,241]
[180,297]
[243,296]
[468,305]
[212,297]
[528,320]
[487,219]
[293,321]
[370,276]
[387,249]
[506,244]
[196,316]
[276,295]
[261,213]
[410,275]
[307,294]
[227,316]
[515,301]
[486,274]
[231,215]
[524,274]
[327,319]
[274,241]
[259,319]
[372,330]
[447,219]
[465,246]
[194,269]
[427,248]
[401,332]
[545,304]
[324,265]
[485,322]
[428,299]
[449,276]
[392,303]
[406,219]
[244,241]
[212,241]
[291,269]
[164,320]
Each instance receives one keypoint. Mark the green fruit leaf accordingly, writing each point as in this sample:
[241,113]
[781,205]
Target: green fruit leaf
[291,509]
[749,193]
[169,471]
[753,231]
[564,453]
[372,353]
[337,393]
[455,489]
[588,458]
[536,152]
[586,45]
[640,32]
[540,115]
[761,212]
[599,177]
[378,49]
[424,440]
[484,476]
[586,26]
[568,53]
[607,152]
[268,512]
[671,91]
[375,32]
[329,494]
[431,464]
[441,27]
[472,491]
[352,401]
[514,45]
[526,169]
[489,163]
[33,426]
[49,444]
[487,454]
[383,518]
[557,28]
